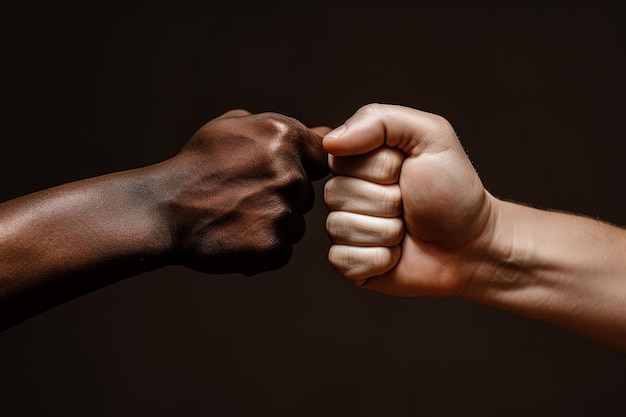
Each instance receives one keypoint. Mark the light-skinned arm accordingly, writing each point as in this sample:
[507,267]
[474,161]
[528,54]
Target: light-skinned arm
[410,217]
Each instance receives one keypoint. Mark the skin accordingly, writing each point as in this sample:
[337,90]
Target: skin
[232,200]
[410,217]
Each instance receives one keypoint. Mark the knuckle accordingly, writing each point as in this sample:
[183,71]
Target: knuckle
[332,195]
[382,260]
[357,264]
[329,190]
[271,244]
[335,258]
[295,190]
[342,259]
[236,113]
[394,232]
[336,227]
[439,125]
[278,125]
[281,213]
[287,178]
[391,201]
[385,234]
[330,227]
[387,165]
[372,109]
[333,163]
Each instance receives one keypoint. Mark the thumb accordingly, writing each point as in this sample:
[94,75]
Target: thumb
[375,125]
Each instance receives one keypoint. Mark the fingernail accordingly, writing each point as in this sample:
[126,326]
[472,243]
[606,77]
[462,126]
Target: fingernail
[337,132]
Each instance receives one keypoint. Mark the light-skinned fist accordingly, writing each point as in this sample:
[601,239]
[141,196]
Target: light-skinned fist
[408,213]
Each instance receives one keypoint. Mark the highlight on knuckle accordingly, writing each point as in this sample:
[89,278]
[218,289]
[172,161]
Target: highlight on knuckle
[346,260]
[440,125]
[288,179]
[356,263]
[331,226]
[386,165]
[381,259]
[391,202]
[372,109]
[330,192]
[394,232]
[272,244]
[338,228]
[337,257]
[278,125]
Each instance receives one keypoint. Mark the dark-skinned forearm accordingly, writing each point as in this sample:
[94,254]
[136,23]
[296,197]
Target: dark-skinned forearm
[232,200]
[63,242]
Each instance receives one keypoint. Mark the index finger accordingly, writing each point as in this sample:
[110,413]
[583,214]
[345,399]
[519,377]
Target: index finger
[313,156]
[381,165]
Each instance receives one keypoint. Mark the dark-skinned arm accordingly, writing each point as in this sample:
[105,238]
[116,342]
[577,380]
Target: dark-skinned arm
[232,200]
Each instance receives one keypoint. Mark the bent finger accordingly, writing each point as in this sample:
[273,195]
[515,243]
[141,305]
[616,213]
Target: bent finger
[313,156]
[353,229]
[359,263]
[359,196]
[382,165]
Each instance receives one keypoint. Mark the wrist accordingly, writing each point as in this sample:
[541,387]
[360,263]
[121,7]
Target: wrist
[501,254]
[150,191]
[170,191]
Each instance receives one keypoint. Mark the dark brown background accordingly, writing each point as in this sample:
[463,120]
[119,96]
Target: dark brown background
[535,92]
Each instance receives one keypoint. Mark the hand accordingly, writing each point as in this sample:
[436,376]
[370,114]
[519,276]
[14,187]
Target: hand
[407,209]
[243,187]
[230,201]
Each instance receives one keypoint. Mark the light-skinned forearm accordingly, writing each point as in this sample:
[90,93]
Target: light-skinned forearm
[565,270]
